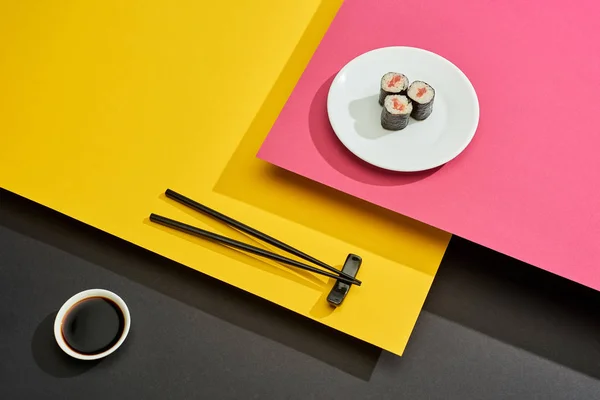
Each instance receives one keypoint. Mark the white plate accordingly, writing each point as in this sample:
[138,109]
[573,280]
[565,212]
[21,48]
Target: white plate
[355,114]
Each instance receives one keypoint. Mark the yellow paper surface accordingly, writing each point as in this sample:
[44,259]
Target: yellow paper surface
[105,104]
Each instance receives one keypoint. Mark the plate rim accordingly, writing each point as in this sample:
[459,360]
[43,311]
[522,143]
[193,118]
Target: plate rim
[455,154]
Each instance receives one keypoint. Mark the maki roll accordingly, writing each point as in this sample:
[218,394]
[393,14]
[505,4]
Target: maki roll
[392,83]
[396,112]
[422,95]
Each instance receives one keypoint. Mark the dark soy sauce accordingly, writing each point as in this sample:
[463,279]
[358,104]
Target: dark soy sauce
[93,325]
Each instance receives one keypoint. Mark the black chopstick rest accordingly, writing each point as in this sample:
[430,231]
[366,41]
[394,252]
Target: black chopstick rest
[340,289]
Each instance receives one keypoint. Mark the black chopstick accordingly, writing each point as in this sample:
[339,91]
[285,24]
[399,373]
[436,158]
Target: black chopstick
[251,231]
[192,230]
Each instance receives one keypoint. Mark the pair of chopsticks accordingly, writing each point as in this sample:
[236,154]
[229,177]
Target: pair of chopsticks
[192,230]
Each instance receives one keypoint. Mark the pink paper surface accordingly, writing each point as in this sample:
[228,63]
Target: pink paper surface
[528,185]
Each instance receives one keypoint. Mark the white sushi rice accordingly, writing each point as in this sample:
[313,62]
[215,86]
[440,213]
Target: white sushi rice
[398,86]
[395,100]
[414,88]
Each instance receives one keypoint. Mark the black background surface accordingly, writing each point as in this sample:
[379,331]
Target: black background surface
[492,328]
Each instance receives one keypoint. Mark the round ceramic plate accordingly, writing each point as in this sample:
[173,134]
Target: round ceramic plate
[355,114]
